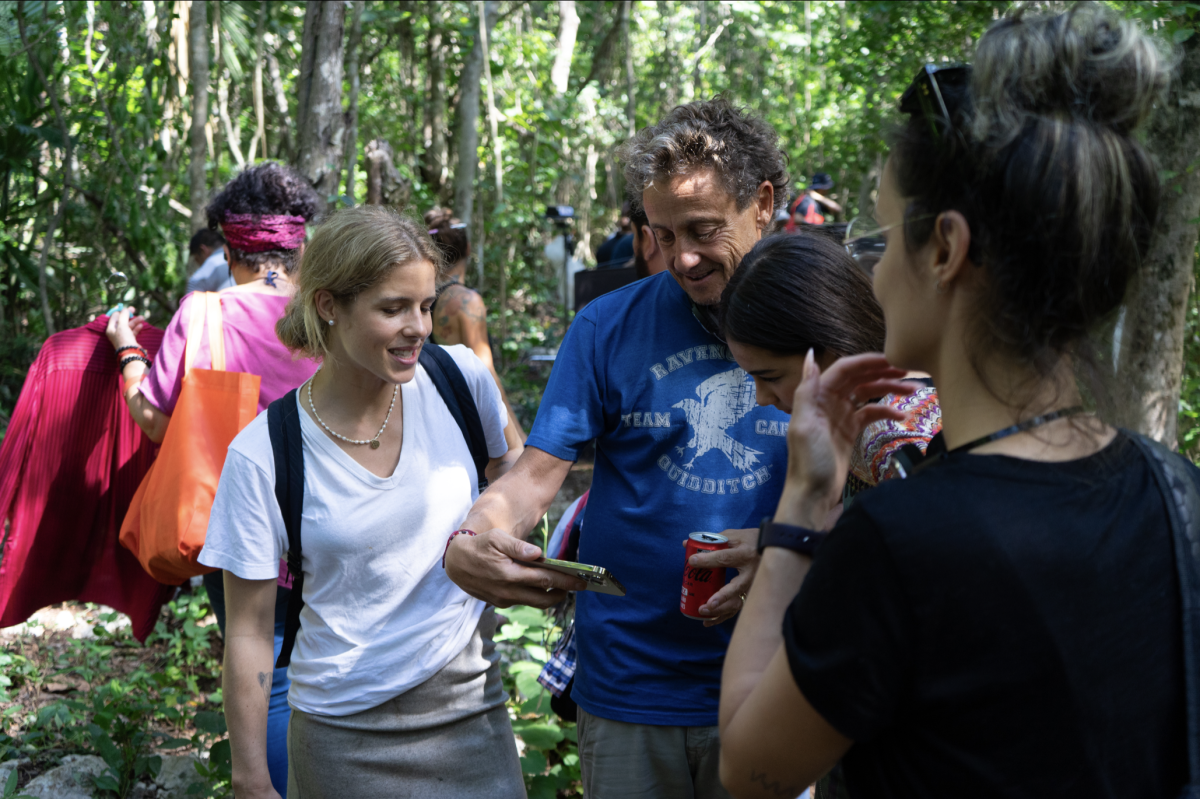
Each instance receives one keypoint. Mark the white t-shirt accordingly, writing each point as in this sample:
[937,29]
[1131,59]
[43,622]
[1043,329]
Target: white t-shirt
[380,615]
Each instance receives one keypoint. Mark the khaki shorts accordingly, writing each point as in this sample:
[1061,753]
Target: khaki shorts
[643,761]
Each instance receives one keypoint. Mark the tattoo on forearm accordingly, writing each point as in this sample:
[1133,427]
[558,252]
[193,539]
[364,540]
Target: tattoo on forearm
[776,788]
[264,682]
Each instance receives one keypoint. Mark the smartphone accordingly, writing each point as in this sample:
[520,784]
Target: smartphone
[597,578]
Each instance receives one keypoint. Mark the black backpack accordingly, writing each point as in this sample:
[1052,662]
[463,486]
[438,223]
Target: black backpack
[283,423]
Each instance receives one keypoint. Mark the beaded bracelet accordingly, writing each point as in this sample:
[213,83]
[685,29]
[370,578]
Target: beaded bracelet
[451,538]
[128,359]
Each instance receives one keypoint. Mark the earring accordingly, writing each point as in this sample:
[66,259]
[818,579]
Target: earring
[331,323]
[938,287]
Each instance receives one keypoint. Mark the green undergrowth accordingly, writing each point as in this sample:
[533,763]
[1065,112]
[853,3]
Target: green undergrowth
[550,748]
[111,696]
[133,704]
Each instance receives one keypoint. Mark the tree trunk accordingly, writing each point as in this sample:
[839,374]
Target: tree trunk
[1150,366]
[260,116]
[630,78]
[560,73]
[216,128]
[671,92]
[434,169]
[283,149]
[493,124]
[468,118]
[602,56]
[352,48]
[198,78]
[385,184]
[320,123]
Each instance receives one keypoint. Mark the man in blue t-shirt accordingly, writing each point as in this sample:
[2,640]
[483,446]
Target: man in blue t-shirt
[681,447]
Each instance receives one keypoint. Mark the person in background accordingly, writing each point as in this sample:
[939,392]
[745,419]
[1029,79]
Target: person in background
[207,248]
[647,258]
[681,447]
[812,207]
[618,247]
[1008,620]
[459,315]
[263,212]
[396,684]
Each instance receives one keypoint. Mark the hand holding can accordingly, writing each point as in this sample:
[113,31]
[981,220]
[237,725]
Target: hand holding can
[699,585]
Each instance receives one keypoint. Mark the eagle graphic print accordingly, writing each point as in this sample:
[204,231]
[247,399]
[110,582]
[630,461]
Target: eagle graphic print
[709,451]
[724,399]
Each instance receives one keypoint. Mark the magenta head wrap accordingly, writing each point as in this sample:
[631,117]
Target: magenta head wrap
[255,233]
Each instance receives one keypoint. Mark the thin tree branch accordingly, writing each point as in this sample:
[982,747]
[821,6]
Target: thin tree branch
[48,236]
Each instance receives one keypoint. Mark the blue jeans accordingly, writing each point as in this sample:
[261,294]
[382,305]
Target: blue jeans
[278,712]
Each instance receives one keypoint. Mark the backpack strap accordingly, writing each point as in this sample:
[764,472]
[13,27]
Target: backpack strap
[283,423]
[455,392]
[1177,481]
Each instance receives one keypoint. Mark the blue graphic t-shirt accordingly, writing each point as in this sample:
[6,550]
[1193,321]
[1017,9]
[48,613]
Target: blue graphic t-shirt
[681,447]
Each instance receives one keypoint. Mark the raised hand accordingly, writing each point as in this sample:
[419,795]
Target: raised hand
[829,412]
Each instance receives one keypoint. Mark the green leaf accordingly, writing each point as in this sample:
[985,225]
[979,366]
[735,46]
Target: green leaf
[106,782]
[538,734]
[220,754]
[527,683]
[539,703]
[174,743]
[210,722]
[1182,35]
[510,632]
[10,787]
[544,787]
[533,762]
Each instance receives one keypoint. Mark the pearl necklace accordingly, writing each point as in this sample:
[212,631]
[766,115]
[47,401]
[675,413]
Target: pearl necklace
[374,442]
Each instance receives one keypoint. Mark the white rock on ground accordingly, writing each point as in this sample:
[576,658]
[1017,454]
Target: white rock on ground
[72,779]
[177,774]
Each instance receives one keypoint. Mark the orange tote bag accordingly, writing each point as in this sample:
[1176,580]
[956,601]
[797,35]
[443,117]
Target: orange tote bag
[168,518]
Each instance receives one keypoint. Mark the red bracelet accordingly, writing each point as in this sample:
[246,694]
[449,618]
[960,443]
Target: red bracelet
[451,538]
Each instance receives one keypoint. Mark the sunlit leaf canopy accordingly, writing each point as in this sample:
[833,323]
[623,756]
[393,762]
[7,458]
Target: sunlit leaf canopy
[826,75]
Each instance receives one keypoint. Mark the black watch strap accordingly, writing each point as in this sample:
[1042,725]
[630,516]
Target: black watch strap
[788,536]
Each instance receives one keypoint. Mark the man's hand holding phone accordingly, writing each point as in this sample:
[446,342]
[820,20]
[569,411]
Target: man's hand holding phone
[485,566]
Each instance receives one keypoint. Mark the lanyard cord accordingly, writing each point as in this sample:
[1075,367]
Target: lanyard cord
[1028,424]
[909,459]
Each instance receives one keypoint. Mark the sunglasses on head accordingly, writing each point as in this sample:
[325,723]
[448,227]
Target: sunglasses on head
[925,94]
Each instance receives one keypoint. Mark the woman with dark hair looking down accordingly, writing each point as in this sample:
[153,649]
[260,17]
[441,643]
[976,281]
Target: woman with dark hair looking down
[801,292]
[1006,622]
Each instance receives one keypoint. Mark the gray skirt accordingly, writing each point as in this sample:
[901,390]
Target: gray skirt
[448,737]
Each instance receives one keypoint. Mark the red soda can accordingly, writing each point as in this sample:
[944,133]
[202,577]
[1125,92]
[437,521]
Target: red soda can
[700,584]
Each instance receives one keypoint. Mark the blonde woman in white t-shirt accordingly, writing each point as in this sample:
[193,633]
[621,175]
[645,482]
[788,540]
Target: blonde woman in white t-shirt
[395,683]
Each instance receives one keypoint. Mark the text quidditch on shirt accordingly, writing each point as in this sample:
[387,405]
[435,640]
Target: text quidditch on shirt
[708,485]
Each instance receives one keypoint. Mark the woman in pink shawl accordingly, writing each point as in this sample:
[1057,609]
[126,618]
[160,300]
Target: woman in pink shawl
[262,213]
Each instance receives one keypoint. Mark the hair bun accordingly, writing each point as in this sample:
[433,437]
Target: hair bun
[439,217]
[1089,65]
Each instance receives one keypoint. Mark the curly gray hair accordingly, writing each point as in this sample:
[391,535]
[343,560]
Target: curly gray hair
[741,149]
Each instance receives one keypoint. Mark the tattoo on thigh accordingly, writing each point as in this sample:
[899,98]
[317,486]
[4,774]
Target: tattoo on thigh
[776,788]
[264,682]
